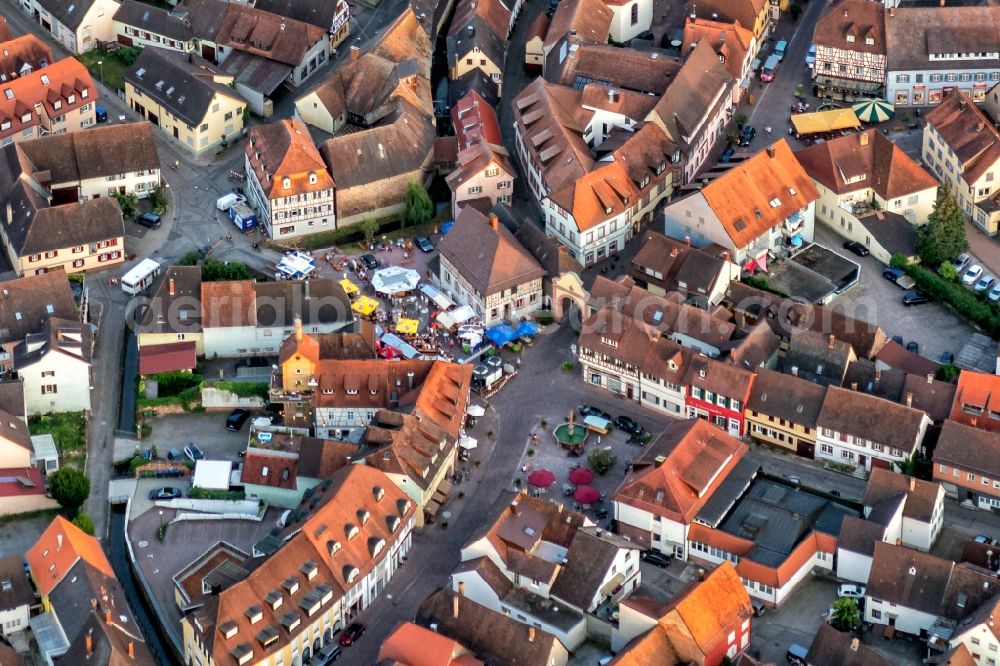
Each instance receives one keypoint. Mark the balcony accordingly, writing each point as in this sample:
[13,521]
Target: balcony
[298,393]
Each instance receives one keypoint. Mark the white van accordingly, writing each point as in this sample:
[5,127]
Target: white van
[141,276]
[227,201]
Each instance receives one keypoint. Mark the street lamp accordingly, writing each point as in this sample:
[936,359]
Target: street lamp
[100,63]
[161,520]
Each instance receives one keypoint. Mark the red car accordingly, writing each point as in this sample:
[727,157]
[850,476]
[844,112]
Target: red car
[352,633]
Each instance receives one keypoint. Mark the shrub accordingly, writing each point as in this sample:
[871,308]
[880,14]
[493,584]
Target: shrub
[566,366]
[71,488]
[84,522]
[244,389]
[601,460]
[174,383]
[206,493]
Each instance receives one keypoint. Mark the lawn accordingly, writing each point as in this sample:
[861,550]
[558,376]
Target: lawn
[68,429]
[112,71]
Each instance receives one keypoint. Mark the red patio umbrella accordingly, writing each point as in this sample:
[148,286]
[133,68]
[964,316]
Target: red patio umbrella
[541,478]
[587,495]
[581,476]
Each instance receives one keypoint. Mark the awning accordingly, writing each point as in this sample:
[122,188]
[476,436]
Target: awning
[796,240]
[459,315]
[615,581]
[432,508]
[408,326]
[597,423]
[365,305]
[349,287]
[468,443]
[397,343]
[820,122]
[395,280]
[444,487]
[436,297]
[475,410]
[439,497]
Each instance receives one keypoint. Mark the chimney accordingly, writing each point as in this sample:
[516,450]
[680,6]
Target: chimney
[89,642]
[10,214]
[930,378]
[59,542]
[854,386]
[832,341]
[93,604]
[855,643]
[687,240]
[513,507]
[795,371]
[298,329]
[305,290]
[770,152]
[131,649]
[674,251]
[355,53]
[863,138]
[171,287]
[892,12]
[980,126]
[878,374]
[409,380]
[658,461]
[454,606]
[845,12]
[531,634]
[494,222]
[913,483]
[909,399]
[461,589]
[107,616]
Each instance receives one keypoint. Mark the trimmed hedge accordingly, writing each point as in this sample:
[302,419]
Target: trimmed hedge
[967,304]
[204,493]
[244,389]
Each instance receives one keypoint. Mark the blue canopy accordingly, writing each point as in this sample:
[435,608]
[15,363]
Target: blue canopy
[394,341]
[796,240]
[527,328]
[501,334]
[446,227]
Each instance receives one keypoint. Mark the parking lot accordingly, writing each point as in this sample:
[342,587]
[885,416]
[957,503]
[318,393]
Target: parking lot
[932,326]
[207,430]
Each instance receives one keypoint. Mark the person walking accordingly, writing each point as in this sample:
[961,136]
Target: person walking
[767,130]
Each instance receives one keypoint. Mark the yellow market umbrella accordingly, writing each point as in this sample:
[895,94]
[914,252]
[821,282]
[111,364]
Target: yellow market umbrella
[365,305]
[407,326]
[349,287]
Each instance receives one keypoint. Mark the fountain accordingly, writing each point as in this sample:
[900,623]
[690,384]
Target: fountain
[569,435]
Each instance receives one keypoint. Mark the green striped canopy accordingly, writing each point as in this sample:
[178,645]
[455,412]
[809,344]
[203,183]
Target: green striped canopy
[873,110]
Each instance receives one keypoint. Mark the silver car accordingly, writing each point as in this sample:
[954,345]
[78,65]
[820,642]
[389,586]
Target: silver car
[972,274]
[984,282]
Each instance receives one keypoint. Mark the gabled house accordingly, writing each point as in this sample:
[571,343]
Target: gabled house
[477,39]
[734,44]
[483,266]
[757,348]
[695,106]
[55,99]
[718,392]
[897,509]
[574,23]
[764,206]
[344,547]
[410,643]
[534,44]
[977,401]
[851,51]
[494,637]
[671,480]
[140,24]
[782,411]
[483,173]
[663,264]
[708,623]
[546,566]
[77,26]
[975,639]
[757,16]
[870,191]
[332,17]
[287,180]
[821,359]
[173,315]
[967,464]
[26,305]
[864,431]
[186,97]
[16,449]
[16,597]
[835,648]
[23,55]
[54,365]
[962,147]
[474,118]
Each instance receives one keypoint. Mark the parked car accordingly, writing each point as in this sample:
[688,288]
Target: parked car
[811,56]
[758,607]
[985,281]
[982,538]
[727,155]
[656,558]
[780,48]
[175,454]
[167,493]
[192,452]
[794,480]
[972,273]
[354,631]
[960,262]
[851,590]
[587,410]
[913,347]
[994,294]
[914,298]
[796,654]
[857,248]
[747,135]
[369,261]
[236,419]
[424,243]
[101,114]
[892,274]
[148,220]
[629,425]
[328,655]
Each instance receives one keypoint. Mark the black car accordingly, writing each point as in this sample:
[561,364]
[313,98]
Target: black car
[656,558]
[914,298]
[912,346]
[424,243]
[857,248]
[629,425]
[369,261]
[587,410]
[727,155]
[236,420]
[164,493]
[148,220]
[353,632]
[747,135]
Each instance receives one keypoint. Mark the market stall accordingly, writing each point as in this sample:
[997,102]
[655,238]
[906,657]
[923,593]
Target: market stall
[350,288]
[408,326]
[296,265]
[459,315]
[395,280]
[823,122]
[365,306]
[436,297]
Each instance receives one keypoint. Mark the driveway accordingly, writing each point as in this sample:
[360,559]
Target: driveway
[797,621]
[207,430]
[18,536]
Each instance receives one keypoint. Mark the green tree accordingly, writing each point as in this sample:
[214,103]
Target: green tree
[419,207]
[220,271]
[947,373]
[127,202]
[84,522]
[71,488]
[845,614]
[601,460]
[158,197]
[947,271]
[369,228]
[943,237]
[190,259]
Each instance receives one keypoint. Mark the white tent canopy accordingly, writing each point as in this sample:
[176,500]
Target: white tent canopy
[395,279]
[459,315]
[212,474]
[468,442]
[475,410]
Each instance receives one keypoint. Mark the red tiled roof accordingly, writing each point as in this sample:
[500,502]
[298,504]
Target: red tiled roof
[58,549]
[472,117]
[225,304]
[55,83]
[977,390]
[172,357]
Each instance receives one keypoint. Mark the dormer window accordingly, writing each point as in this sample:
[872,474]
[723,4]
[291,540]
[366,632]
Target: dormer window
[57,104]
[850,38]
[645,182]
[309,569]
[350,573]
[5,125]
[26,118]
[312,178]
[84,94]
[869,41]
[775,202]
[378,492]
[229,629]
[291,585]
[71,99]
[363,516]
[255,614]
[351,530]
[286,183]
